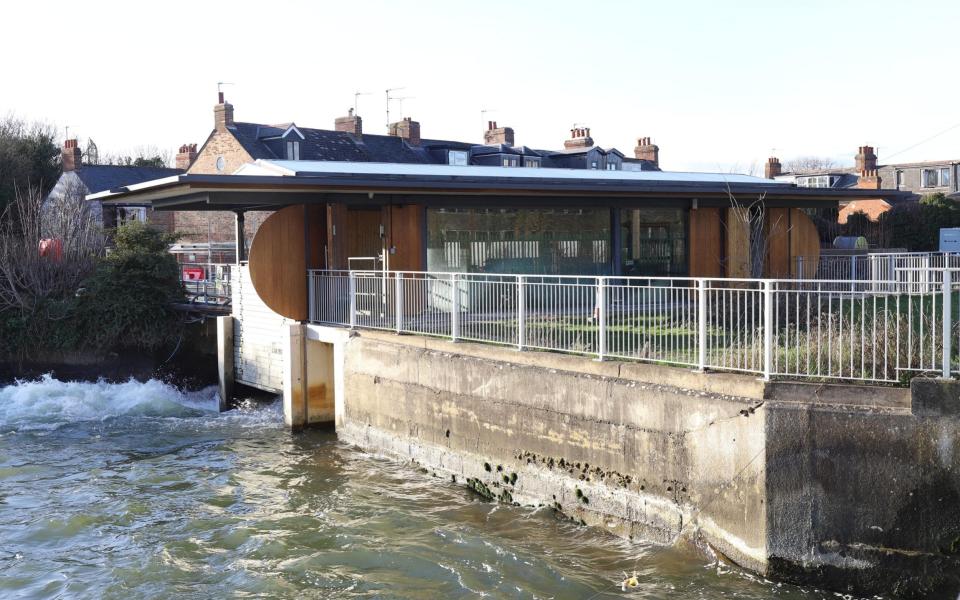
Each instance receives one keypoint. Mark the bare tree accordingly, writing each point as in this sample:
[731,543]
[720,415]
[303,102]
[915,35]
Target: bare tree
[752,217]
[141,156]
[46,248]
[809,164]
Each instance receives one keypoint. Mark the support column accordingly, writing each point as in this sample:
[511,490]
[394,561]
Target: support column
[295,376]
[240,237]
[225,367]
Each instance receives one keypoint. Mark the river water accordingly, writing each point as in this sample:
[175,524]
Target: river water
[137,490]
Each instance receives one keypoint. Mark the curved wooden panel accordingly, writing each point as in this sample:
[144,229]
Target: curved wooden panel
[805,242]
[278,263]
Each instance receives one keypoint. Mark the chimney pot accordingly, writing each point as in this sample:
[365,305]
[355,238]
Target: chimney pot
[186,156]
[222,114]
[70,156]
[350,124]
[498,135]
[408,129]
[647,150]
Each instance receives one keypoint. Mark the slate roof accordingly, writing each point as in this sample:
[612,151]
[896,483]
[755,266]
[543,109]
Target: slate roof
[98,178]
[263,142]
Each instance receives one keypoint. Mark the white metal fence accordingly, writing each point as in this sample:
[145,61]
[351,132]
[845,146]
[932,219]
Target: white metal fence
[877,330]
[905,267]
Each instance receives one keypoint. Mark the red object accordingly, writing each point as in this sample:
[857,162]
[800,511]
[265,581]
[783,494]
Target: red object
[52,249]
[192,274]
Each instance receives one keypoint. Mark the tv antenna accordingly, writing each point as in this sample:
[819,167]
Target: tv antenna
[400,100]
[483,117]
[356,98]
[389,98]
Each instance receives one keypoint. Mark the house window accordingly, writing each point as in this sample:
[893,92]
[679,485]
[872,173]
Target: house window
[653,241]
[510,162]
[944,177]
[928,178]
[293,150]
[593,165]
[457,158]
[531,163]
[611,166]
[818,181]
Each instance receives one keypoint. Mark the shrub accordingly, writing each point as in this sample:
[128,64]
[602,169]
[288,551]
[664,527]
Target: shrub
[127,303]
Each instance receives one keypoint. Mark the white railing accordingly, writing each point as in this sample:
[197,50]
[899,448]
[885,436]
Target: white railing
[206,283]
[914,267]
[876,330]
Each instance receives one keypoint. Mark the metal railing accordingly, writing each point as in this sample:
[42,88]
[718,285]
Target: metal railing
[914,267]
[876,330]
[206,283]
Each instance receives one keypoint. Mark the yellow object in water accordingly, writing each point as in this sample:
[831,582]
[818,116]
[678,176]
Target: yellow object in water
[630,582]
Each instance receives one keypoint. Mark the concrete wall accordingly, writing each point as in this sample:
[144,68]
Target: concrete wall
[847,487]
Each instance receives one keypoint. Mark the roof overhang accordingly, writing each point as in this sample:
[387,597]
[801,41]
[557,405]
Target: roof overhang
[482,184]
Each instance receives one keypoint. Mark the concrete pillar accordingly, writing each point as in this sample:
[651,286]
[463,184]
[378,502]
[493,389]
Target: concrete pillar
[309,379]
[225,371]
[295,376]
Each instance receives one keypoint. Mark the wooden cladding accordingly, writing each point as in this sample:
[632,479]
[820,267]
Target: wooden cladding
[706,248]
[278,262]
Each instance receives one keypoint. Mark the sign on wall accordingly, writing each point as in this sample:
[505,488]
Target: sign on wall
[950,239]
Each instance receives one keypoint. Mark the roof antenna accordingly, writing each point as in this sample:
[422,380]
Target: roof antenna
[389,98]
[483,116]
[400,100]
[356,97]
[220,84]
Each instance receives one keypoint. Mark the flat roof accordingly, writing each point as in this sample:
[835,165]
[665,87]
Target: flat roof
[270,184]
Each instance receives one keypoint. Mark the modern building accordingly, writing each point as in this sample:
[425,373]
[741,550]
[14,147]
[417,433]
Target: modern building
[232,144]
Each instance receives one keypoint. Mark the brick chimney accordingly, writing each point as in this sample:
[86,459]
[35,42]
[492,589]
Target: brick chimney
[407,129]
[222,114]
[772,168]
[867,169]
[579,138]
[70,156]
[866,160]
[351,124]
[186,156]
[647,150]
[497,135]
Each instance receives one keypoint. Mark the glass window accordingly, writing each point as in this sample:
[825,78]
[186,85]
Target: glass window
[548,241]
[532,163]
[944,177]
[458,158]
[654,241]
[293,150]
[928,178]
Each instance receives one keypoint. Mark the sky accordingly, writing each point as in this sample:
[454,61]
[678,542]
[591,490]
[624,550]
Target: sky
[719,86]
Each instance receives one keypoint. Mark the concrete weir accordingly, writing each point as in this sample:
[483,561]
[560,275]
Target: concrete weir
[849,488]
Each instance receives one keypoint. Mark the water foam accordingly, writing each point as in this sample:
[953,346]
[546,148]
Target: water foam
[48,403]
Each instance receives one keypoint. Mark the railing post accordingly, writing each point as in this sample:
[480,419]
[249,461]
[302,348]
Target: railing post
[398,300]
[702,324]
[454,307]
[947,325]
[352,292]
[311,301]
[521,313]
[767,328]
[853,272]
[601,318]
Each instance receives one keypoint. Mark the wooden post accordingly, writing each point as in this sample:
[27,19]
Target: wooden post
[225,367]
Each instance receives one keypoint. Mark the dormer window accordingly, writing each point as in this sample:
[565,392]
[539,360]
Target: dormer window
[458,158]
[510,162]
[531,163]
[293,150]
